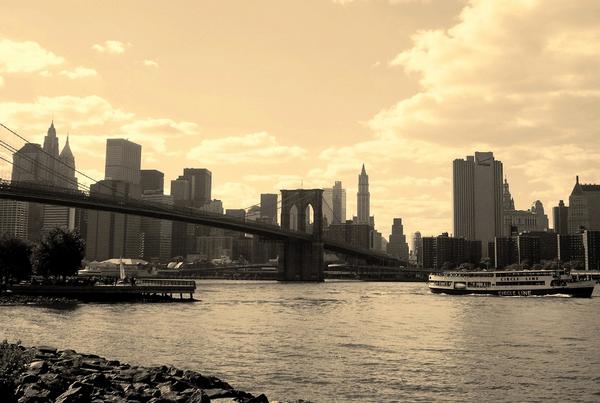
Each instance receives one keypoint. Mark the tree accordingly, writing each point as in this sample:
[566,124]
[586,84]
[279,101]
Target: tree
[15,259]
[60,253]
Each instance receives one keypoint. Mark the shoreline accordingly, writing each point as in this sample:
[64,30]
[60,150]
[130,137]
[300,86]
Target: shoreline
[67,376]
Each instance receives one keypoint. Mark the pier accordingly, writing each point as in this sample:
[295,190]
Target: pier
[144,289]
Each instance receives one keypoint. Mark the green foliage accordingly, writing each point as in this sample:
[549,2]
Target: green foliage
[59,254]
[15,259]
[13,359]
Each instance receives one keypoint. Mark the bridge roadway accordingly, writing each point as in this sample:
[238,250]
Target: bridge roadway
[36,193]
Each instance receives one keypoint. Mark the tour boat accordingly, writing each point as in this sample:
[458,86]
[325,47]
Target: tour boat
[511,283]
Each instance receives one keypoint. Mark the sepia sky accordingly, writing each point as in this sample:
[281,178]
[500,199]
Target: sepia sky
[272,94]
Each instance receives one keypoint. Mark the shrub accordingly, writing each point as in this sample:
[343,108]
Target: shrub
[13,359]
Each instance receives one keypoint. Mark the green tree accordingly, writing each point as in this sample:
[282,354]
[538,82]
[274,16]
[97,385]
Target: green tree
[60,253]
[15,259]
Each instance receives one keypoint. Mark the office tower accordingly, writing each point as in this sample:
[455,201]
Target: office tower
[157,234]
[61,216]
[417,247]
[363,198]
[268,207]
[152,181]
[339,203]
[123,160]
[180,190]
[444,252]
[30,165]
[560,218]
[51,154]
[397,245]
[14,218]
[584,207]
[113,235]
[351,233]
[591,247]
[238,213]
[571,249]
[478,198]
[199,185]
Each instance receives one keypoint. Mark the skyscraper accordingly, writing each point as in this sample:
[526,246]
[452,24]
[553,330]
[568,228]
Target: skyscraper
[339,203]
[560,218]
[584,207]
[363,198]
[397,245]
[199,185]
[152,181]
[478,197]
[417,247]
[113,235]
[268,207]
[61,216]
[123,160]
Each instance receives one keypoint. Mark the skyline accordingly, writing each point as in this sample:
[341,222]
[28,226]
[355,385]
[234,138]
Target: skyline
[313,106]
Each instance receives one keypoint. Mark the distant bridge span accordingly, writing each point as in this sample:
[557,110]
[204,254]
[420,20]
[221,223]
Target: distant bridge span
[73,198]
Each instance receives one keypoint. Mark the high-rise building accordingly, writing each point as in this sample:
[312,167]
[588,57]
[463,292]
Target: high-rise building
[444,252]
[397,245]
[517,221]
[571,249]
[157,234]
[584,207]
[478,198]
[113,235]
[417,247]
[268,207]
[338,199]
[200,185]
[357,235]
[591,246]
[363,198]
[123,160]
[61,216]
[152,181]
[560,218]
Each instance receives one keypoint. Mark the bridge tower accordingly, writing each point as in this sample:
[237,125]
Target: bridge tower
[302,260]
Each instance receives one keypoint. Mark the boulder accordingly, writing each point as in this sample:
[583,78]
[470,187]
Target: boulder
[258,399]
[78,392]
[199,397]
[38,367]
[47,349]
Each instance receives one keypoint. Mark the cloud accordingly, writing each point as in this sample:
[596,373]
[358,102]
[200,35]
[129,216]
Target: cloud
[151,63]
[79,72]
[491,82]
[25,57]
[160,127]
[259,148]
[111,47]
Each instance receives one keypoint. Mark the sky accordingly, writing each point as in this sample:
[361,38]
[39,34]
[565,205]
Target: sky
[273,95]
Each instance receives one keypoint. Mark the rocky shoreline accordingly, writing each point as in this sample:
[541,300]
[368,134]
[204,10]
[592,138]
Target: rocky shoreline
[69,377]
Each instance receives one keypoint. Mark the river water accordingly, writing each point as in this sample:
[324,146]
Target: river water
[345,341]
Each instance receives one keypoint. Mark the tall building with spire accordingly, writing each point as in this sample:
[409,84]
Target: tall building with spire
[517,221]
[64,166]
[363,196]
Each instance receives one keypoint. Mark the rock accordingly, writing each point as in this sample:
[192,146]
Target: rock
[142,376]
[258,399]
[199,397]
[28,378]
[33,393]
[47,349]
[98,379]
[78,392]
[38,367]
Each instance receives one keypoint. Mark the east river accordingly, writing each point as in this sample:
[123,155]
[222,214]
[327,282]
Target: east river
[345,341]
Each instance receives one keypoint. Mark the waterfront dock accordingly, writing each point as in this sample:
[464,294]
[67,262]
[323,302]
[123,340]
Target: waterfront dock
[144,289]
